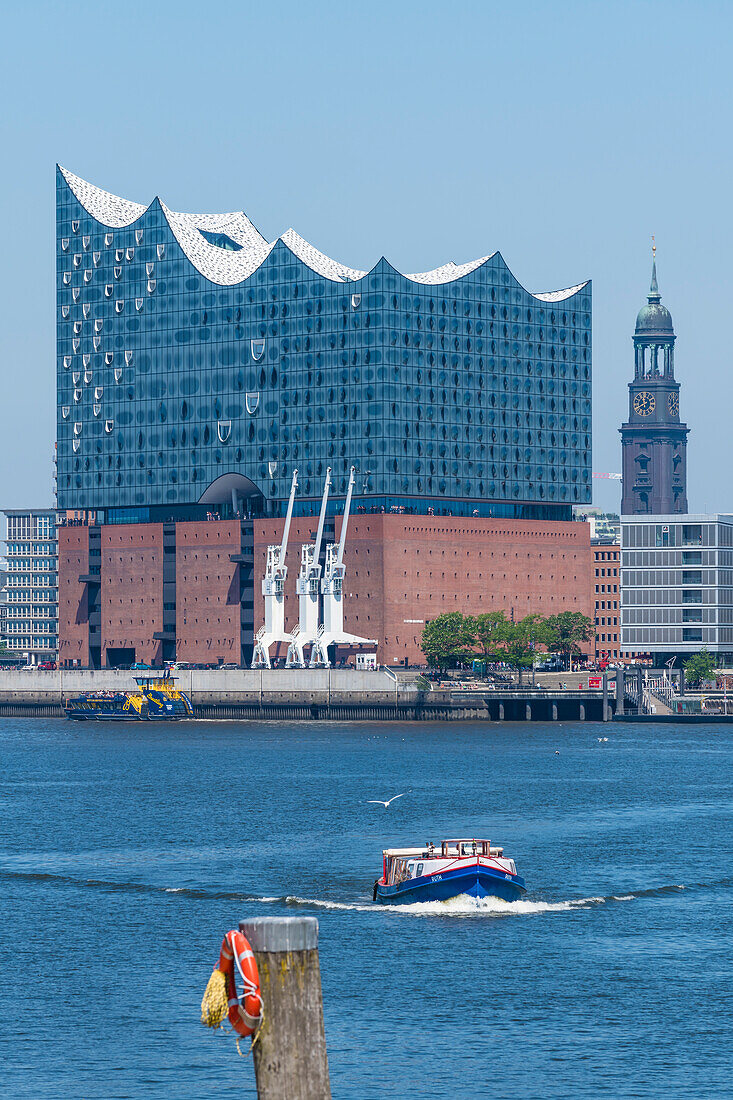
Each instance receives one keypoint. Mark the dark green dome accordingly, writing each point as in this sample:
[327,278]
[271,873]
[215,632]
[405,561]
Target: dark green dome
[653,318]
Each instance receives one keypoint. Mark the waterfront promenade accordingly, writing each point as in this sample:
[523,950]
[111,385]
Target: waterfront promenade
[314,693]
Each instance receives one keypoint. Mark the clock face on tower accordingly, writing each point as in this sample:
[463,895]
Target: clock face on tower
[673,404]
[644,403]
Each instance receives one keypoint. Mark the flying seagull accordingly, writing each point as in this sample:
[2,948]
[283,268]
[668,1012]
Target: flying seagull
[381,802]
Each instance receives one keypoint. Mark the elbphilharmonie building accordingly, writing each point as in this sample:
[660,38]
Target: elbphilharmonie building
[199,363]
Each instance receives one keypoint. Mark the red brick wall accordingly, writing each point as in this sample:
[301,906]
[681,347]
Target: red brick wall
[401,571]
[131,597]
[73,624]
[208,616]
[404,570]
[606,583]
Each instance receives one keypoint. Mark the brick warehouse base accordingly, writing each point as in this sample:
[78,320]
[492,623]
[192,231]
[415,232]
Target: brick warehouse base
[192,589]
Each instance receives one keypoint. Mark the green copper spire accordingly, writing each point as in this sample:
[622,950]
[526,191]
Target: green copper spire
[654,296]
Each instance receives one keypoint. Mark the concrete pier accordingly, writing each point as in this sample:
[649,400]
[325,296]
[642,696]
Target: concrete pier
[341,694]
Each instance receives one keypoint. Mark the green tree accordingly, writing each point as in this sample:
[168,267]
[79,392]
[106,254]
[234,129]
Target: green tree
[517,642]
[448,639]
[700,667]
[566,632]
[489,633]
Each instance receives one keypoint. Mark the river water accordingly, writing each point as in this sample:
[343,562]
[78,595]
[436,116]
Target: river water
[127,851]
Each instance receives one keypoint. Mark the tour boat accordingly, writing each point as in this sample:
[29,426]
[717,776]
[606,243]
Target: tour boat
[155,699]
[461,866]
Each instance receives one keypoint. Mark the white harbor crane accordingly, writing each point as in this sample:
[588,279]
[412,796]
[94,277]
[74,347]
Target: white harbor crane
[273,592]
[307,586]
[332,631]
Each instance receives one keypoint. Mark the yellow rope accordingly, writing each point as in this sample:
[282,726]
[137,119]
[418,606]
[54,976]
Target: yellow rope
[215,1008]
[215,1003]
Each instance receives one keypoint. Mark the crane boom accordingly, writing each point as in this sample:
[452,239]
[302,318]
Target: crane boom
[288,517]
[321,519]
[345,520]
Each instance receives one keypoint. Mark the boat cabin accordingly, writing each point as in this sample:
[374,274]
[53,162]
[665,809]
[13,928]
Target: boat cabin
[461,848]
[400,864]
[155,680]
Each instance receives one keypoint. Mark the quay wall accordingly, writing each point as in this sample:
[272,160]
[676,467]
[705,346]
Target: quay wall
[343,694]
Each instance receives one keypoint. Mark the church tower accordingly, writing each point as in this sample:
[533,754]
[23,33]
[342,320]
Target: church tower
[653,440]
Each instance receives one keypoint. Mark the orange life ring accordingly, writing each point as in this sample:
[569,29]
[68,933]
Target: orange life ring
[237,955]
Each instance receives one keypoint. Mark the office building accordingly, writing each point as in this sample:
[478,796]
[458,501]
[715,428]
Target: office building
[32,584]
[606,581]
[677,586]
[3,602]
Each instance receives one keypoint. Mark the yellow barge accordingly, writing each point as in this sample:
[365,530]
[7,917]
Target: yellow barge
[155,699]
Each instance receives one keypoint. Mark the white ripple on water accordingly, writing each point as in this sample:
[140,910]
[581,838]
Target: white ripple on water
[462,905]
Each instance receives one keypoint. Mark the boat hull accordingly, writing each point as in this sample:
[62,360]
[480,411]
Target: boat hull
[475,881]
[153,706]
[129,716]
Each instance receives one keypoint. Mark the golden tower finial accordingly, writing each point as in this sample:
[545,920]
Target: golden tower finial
[654,248]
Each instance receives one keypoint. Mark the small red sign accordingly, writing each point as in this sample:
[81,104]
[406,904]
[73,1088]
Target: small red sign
[594,681]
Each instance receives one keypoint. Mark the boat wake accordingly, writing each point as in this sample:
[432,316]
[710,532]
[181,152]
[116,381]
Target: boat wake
[461,906]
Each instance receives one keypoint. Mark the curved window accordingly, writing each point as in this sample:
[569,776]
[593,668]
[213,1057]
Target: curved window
[221,240]
[252,401]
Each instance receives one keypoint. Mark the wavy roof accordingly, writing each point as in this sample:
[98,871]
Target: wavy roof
[227,267]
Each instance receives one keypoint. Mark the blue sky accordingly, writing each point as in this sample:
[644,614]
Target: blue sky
[563,134]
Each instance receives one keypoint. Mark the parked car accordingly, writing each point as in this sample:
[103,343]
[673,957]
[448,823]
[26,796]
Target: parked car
[47,665]
[140,665]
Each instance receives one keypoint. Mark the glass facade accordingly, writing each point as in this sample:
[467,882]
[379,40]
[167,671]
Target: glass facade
[31,624]
[677,584]
[189,348]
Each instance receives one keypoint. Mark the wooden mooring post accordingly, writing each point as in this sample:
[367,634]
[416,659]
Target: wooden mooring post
[290,1058]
